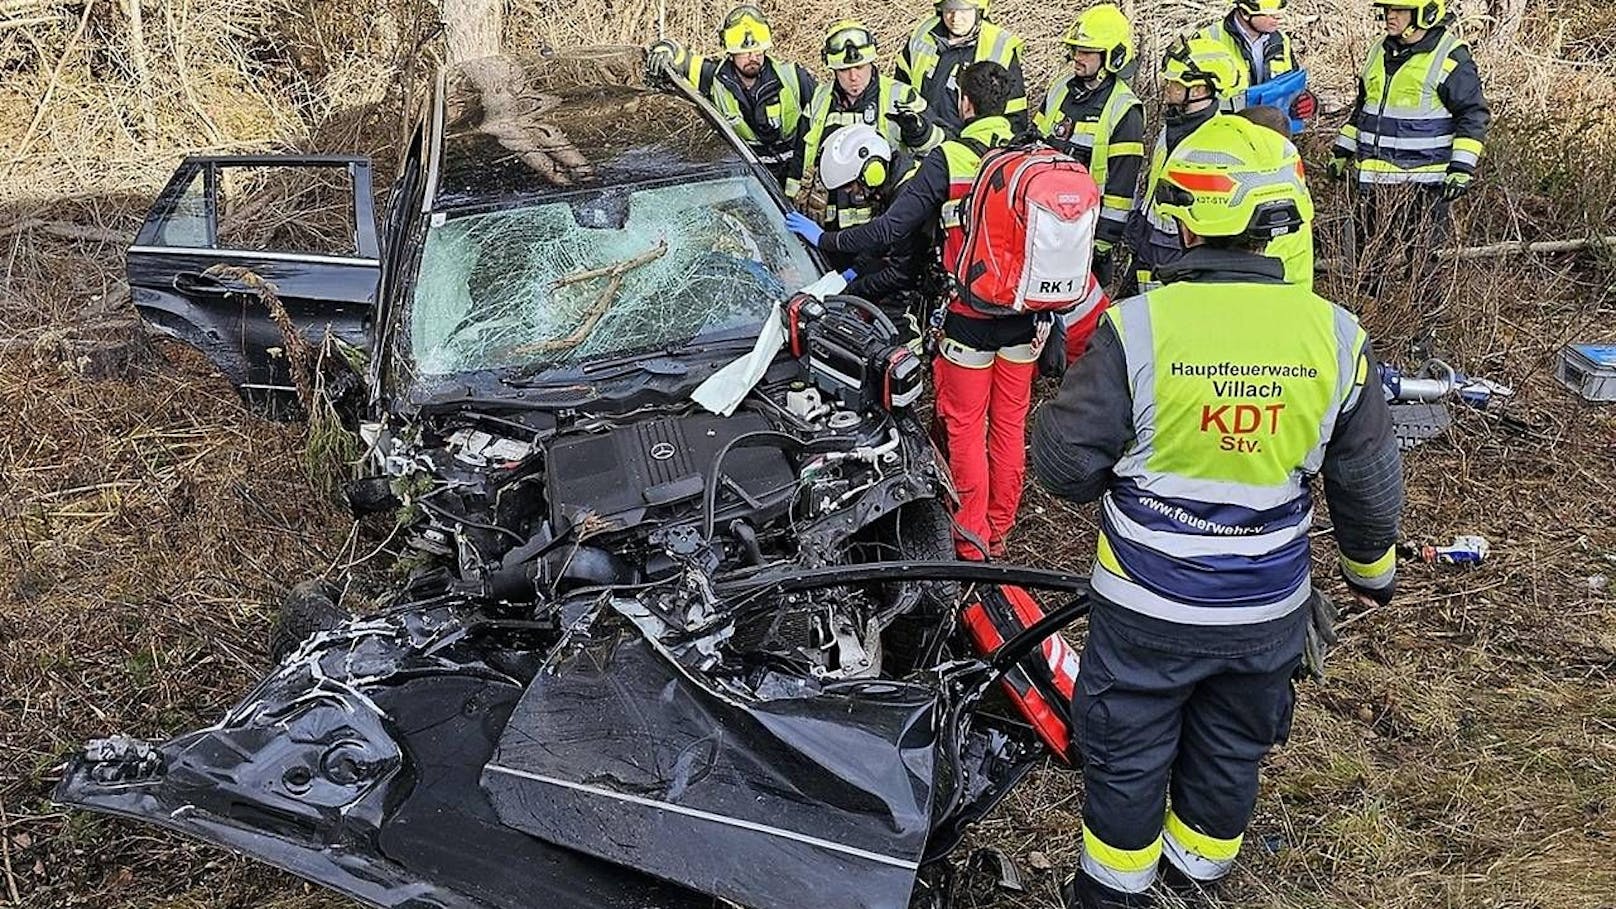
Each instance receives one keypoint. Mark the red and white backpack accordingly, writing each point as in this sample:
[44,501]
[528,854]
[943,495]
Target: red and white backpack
[1029,220]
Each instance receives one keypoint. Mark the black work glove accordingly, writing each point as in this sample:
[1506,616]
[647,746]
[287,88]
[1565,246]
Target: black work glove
[1102,266]
[661,59]
[1339,167]
[1052,359]
[911,125]
[1321,636]
[1455,184]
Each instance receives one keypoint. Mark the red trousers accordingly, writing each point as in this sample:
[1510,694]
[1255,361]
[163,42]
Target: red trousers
[1078,331]
[982,412]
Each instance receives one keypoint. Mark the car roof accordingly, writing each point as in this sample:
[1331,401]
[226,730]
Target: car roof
[514,128]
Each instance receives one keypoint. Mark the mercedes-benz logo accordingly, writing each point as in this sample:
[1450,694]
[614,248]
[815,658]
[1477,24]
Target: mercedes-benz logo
[662,451]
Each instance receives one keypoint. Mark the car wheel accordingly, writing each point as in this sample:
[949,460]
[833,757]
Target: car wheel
[308,608]
[923,531]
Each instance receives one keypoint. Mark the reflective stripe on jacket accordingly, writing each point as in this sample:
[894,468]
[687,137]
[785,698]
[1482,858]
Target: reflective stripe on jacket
[1403,132]
[1279,56]
[782,113]
[917,65]
[1236,389]
[1094,139]
[827,113]
[1158,243]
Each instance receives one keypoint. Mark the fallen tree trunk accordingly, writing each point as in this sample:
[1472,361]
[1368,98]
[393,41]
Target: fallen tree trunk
[97,350]
[1522,247]
[65,229]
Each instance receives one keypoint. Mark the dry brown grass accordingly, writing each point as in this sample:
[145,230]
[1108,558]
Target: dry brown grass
[1462,754]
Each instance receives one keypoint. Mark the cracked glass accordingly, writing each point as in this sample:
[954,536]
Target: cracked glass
[600,274]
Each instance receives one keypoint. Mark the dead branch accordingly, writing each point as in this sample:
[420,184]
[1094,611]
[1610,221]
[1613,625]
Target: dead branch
[24,23]
[592,317]
[299,352]
[65,229]
[50,89]
[603,302]
[614,269]
[137,59]
[1522,247]
[1336,265]
[5,852]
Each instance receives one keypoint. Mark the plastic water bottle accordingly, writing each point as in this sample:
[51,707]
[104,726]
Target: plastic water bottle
[1464,550]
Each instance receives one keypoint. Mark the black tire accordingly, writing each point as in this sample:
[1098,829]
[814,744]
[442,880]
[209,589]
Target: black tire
[923,531]
[308,608]
[926,531]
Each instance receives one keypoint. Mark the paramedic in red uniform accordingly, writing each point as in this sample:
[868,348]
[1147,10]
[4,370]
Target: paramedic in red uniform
[986,366]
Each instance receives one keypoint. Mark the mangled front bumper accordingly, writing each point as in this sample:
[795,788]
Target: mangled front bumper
[355,766]
[430,758]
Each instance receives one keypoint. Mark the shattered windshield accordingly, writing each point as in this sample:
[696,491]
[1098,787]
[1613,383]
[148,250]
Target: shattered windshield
[601,273]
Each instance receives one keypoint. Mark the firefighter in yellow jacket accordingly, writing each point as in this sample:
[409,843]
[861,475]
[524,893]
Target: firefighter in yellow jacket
[858,94]
[1251,32]
[762,97]
[1417,127]
[944,44]
[1199,78]
[1098,119]
[1198,417]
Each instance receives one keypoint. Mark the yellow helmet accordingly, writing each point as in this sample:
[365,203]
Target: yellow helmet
[848,44]
[1261,7]
[1427,13]
[1204,61]
[1233,178]
[1105,30]
[745,31]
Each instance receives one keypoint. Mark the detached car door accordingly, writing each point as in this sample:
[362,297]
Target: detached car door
[305,224]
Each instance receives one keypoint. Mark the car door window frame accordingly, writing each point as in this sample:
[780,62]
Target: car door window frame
[366,245]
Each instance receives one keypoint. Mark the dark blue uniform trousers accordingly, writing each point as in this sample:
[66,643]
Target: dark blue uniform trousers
[1161,706]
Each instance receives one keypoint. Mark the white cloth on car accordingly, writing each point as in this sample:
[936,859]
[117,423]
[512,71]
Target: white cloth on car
[725,389]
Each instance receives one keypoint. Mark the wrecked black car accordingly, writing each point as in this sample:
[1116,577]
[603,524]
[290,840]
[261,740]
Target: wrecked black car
[684,630]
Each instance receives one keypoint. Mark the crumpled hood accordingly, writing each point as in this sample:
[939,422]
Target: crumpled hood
[440,756]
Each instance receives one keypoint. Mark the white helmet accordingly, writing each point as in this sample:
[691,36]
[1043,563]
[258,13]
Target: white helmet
[855,152]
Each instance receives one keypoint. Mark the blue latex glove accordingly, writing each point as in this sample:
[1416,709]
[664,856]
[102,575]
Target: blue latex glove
[804,227]
[850,275]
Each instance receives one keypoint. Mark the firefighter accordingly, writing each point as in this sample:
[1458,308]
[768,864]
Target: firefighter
[859,95]
[761,97]
[860,165]
[1198,416]
[942,45]
[1252,36]
[1274,74]
[1199,76]
[986,365]
[1417,126]
[1097,119]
